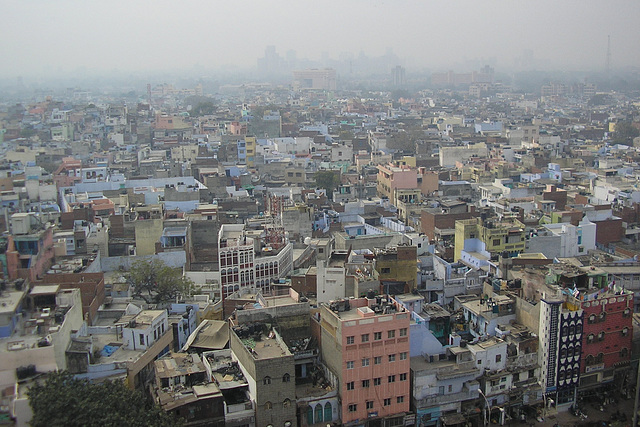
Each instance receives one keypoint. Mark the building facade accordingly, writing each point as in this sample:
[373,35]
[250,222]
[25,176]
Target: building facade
[365,344]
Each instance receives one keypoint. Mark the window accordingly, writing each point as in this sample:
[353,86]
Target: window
[310,415]
[403,332]
[369,404]
[498,358]
[496,242]
[403,376]
[592,318]
[365,361]
[141,339]
[353,407]
[286,403]
[392,358]
[351,385]
[365,337]
[590,338]
[268,405]
[386,270]
[387,401]
[625,331]
[603,316]
[328,412]
[391,333]
[400,399]
[286,378]
[350,364]
[377,336]
[266,381]
[351,340]
[624,352]
[377,360]
[403,355]
[365,383]
[601,336]
[626,312]
[392,378]
[377,381]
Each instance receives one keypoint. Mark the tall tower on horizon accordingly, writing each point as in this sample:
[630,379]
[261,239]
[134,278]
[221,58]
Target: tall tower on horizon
[608,64]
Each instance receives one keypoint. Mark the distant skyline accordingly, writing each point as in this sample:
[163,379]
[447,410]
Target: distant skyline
[48,38]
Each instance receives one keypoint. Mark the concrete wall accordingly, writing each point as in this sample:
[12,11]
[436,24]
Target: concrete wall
[528,314]
[366,242]
[284,316]
[147,233]
[276,392]
[172,259]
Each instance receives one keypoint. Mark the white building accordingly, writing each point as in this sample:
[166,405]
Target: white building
[144,329]
[563,240]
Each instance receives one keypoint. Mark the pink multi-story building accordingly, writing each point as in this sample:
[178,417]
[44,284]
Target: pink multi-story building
[392,177]
[365,345]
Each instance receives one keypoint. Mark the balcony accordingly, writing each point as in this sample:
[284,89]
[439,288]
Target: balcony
[238,407]
[443,399]
[525,383]
[458,370]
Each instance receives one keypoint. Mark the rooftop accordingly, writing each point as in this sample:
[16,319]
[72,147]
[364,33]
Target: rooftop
[9,301]
[146,317]
[487,308]
[260,342]
[179,364]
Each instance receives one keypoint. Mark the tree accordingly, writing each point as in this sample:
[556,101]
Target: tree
[328,180]
[203,109]
[625,132]
[156,282]
[62,400]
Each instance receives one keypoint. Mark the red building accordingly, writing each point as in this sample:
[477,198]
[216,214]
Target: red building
[365,344]
[606,337]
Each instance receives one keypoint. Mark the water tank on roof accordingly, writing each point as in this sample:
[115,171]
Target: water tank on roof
[21,224]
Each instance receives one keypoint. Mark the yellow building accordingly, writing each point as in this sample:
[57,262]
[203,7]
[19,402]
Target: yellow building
[147,233]
[250,142]
[499,235]
[398,264]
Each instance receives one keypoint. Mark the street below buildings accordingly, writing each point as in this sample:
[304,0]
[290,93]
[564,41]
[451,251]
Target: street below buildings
[618,414]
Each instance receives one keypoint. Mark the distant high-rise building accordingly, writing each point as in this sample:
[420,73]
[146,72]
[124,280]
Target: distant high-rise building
[272,62]
[398,76]
[484,76]
[315,79]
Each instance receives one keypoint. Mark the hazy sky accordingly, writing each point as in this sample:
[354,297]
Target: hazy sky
[42,36]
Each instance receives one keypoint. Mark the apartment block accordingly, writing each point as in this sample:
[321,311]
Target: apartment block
[365,344]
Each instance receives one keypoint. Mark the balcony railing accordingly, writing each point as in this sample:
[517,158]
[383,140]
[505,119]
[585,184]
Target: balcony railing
[443,399]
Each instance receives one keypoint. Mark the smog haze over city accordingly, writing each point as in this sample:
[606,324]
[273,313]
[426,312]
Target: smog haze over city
[74,39]
[358,213]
